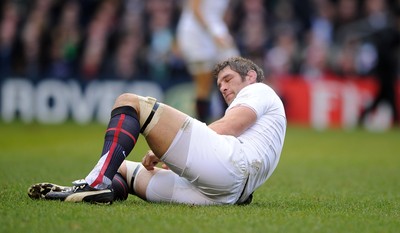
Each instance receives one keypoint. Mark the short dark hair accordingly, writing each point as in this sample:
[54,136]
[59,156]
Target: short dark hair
[240,65]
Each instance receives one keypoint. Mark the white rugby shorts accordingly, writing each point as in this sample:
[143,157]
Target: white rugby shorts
[205,168]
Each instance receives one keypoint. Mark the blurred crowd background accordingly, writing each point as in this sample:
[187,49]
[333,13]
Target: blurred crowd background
[135,39]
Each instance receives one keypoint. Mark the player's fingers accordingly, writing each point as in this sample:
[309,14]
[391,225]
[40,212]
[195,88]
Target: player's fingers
[149,161]
[165,166]
[146,162]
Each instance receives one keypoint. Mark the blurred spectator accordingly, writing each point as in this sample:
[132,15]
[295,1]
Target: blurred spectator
[356,49]
[253,30]
[66,37]
[8,35]
[126,59]
[343,58]
[98,34]
[29,55]
[347,11]
[343,51]
[126,62]
[381,31]
[296,14]
[315,56]
[283,58]
[161,19]
[131,39]
[322,23]
[314,63]
[132,17]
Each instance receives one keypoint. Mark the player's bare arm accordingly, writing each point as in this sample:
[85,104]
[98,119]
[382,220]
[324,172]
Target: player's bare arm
[196,8]
[235,121]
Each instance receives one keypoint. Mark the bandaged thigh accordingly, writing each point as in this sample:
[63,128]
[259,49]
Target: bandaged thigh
[149,116]
[177,155]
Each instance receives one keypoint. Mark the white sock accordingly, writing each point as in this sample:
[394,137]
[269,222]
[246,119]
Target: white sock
[90,179]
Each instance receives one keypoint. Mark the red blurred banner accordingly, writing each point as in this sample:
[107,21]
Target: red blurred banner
[332,102]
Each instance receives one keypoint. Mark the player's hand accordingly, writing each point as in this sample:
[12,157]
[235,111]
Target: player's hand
[150,160]
[165,166]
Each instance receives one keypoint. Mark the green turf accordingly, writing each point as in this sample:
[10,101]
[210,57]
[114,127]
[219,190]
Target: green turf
[330,181]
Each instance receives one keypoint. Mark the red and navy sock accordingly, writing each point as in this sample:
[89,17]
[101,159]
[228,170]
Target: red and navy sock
[120,138]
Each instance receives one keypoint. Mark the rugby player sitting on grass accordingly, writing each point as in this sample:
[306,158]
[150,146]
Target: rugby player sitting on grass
[220,163]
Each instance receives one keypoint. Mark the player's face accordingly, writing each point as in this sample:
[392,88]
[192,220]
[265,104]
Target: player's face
[230,83]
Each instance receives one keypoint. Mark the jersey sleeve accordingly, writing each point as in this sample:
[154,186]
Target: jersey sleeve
[257,96]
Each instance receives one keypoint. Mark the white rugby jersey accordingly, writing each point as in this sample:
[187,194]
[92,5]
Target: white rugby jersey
[263,141]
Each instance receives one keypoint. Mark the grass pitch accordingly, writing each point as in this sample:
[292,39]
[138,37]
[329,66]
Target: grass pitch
[330,181]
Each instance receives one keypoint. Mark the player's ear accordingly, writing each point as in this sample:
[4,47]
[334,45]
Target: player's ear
[252,76]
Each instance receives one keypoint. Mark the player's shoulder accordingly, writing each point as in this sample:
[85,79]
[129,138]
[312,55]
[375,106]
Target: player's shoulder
[258,88]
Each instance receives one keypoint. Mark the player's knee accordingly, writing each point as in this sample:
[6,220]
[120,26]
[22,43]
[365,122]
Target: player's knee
[148,109]
[127,99]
